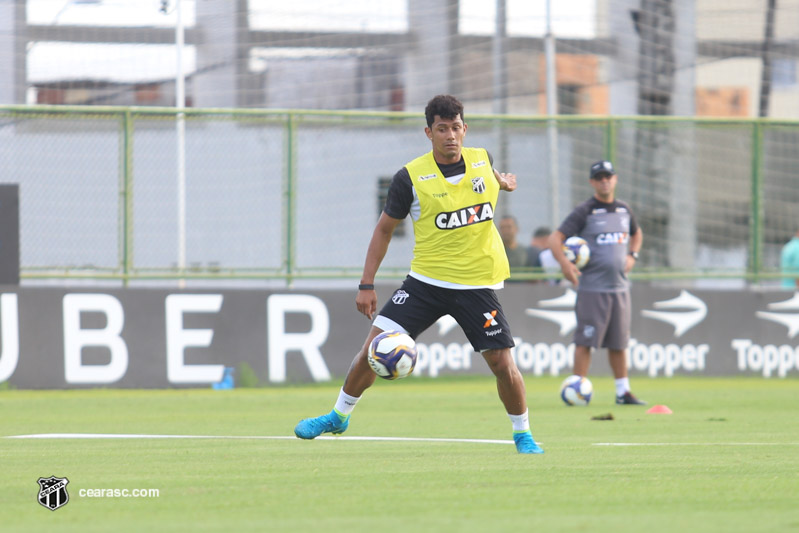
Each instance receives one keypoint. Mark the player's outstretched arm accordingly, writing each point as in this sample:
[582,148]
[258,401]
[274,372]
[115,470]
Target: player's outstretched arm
[506,180]
[366,301]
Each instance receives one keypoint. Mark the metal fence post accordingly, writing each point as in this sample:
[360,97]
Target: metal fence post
[126,195]
[289,192]
[756,217]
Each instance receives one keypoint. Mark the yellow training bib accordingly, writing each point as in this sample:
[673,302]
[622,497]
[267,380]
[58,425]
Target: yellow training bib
[456,240]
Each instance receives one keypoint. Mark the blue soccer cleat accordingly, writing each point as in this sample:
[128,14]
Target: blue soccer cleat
[525,443]
[310,428]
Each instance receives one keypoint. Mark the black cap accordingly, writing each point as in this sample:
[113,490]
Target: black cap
[602,167]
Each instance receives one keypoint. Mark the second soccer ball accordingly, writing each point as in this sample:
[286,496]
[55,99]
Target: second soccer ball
[576,390]
[577,251]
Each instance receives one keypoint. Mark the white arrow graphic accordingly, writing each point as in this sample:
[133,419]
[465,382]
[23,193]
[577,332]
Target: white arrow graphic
[790,320]
[681,320]
[446,324]
[568,299]
[567,320]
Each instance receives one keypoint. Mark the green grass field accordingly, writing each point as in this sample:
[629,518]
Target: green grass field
[726,460]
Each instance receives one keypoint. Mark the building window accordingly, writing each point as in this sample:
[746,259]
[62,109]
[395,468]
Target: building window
[568,99]
[783,72]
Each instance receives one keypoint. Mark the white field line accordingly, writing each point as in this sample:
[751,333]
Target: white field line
[44,436]
[277,437]
[695,444]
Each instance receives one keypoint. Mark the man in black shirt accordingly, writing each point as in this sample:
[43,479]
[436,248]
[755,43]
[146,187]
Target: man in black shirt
[603,291]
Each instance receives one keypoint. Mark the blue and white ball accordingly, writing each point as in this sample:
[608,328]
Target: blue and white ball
[392,355]
[576,390]
[577,251]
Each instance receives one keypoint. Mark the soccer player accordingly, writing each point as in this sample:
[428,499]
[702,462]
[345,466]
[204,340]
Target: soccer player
[603,291]
[458,261]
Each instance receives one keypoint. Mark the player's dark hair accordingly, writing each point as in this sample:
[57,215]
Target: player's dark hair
[445,106]
[542,231]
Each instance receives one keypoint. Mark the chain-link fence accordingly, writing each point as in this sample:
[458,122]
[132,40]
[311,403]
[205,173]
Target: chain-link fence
[281,195]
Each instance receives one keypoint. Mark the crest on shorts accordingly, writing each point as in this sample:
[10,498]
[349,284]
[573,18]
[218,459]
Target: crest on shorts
[478,185]
[53,492]
[399,297]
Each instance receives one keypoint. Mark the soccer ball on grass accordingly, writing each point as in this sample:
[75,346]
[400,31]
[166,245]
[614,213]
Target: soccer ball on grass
[576,390]
[577,251]
[392,355]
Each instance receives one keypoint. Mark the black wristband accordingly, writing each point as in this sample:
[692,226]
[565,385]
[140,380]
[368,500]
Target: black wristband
[634,255]
[366,287]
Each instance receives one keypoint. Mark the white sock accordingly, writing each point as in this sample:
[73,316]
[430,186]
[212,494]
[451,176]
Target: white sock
[520,422]
[622,386]
[345,403]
